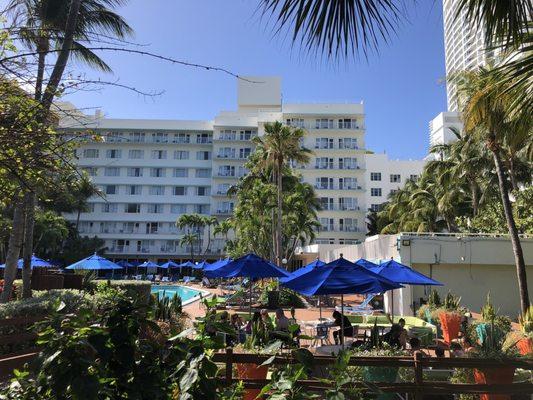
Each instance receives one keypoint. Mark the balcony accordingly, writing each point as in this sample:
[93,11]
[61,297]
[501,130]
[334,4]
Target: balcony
[225,175]
[318,147]
[337,187]
[325,166]
[339,207]
[203,140]
[224,211]
[331,124]
[338,228]
[235,138]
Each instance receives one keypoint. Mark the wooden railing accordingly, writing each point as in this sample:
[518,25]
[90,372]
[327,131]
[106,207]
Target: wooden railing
[17,343]
[418,363]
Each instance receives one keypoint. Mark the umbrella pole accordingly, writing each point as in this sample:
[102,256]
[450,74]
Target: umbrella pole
[250,308]
[342,321]
[392,303]
[320,307]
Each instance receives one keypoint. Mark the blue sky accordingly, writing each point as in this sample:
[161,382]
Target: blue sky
[401,87]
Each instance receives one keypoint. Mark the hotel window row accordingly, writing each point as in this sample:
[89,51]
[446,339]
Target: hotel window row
[343,163]
[152,172]
[156,190]
[159,137]
[149,208]
[325,123]
[394,178]
[136,154]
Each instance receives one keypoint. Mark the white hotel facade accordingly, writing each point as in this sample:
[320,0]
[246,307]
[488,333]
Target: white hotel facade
[153,171]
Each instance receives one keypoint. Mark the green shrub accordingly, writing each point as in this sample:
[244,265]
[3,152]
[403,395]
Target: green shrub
[139,290]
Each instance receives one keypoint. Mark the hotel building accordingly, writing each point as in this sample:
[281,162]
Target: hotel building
[153,171]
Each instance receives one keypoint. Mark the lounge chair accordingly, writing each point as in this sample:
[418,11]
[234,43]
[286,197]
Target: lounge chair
[207,283]
[364,308]
[165,279]
[150,277]
[138,277]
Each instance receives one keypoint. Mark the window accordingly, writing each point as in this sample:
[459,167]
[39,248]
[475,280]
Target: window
[111,189]
[132,208]
[155,208]
[326,203]
[131,227]
[227,134]
[323,123]
[157,190]
[91,171]
[242,172]
[202,191]
[203,155]
[347,123]
[160,137]
[181,172]
[226,170]
[395,178]
[348,224]
[375,192]
[180,191]
[108,227]
[112,171]
[109,207]
[113,137]
[324,183]
[348,143]
[245,153]
[324,163]
[297,122]
[201,208]
[222,188]
[181,138]
[327,224]
[178,208]
[225,207]
[135,172]
[113,153]
[392,191]
[152,227]
[134,190]
[137,137]
[203,173]
[136,154]
[157,172]
[90,153]
[247,134]
[204,138]
[375,207]
[323,143]
[181,155]
[226,152]
[159,154]
[348,203]
[324,241]
[347,183]
[347,163]
[413,177]
[375,176]
[90,208]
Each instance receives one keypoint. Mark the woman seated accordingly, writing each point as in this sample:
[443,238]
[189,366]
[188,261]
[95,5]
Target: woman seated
[238,325]
[342,321]
[256,318]
[282,322]
[267,320]
[393,337]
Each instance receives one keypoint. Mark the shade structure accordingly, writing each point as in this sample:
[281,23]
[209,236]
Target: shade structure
[169,264]
[249,266]
[339,277]
[304,270]
[148,264]
[124,264]
[94,262]
[400,273]
[202,265]
[187,264]
[36,262]
[365,263]
[217,264]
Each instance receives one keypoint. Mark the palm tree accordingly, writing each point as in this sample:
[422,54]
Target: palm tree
[486,102]
[209,222]
[278,146]
[84,189]
[194,223]
[190,239]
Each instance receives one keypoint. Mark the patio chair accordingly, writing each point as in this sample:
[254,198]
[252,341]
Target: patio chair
[138,277]
[207,283]
[363,308]
[165,279]
[150,277]
[322,335]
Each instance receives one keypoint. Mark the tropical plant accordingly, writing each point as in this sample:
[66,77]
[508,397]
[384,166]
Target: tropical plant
[485,104]
[279,145]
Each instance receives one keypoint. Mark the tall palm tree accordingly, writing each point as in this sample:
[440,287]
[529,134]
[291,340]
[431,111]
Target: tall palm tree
[85,189]
[277,147]
[189,239]
[485,103]
[209,222]
[193,223]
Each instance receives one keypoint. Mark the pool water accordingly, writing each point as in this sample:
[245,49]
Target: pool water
[187,294]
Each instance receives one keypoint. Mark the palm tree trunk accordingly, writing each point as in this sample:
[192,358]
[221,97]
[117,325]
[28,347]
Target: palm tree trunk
[42,48]
[78,217]
[512,176]
[280,204]
[513,233]
[13,252]
[29,205]
[475,199]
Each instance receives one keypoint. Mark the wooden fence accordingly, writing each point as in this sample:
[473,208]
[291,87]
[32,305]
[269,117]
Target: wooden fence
[418,363]
[17,343]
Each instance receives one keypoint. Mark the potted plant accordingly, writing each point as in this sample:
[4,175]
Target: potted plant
[258,343]
[523,339]
[450,317]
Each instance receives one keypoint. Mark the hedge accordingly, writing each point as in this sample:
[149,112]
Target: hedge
[135,289]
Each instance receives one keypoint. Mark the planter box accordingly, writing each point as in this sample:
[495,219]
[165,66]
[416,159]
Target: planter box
[502,375]
[251,371]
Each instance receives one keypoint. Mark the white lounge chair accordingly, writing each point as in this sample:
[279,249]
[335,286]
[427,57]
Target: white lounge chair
[138,277]
[165,279]
[363,309]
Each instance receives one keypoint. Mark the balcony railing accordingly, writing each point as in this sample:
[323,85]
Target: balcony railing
[235,138]
[319,147]
[327,125]
[337,187]
[201,140]
[338,228]
[340,207]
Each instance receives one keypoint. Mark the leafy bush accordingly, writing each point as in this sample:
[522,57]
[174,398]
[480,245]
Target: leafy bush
[138,290]
[287,297]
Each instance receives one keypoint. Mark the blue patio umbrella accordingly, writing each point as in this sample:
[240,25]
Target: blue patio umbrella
[401,273]
[217,264]
[340,277]
[94,262]
[124,264]
[169,264]
[365,263]
[202,265]
[148,264]
[188,264]
[36,262]
[249,266]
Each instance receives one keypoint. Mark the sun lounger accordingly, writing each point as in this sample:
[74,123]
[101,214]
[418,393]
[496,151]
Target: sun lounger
[165,279]
[138,277]
[364,308]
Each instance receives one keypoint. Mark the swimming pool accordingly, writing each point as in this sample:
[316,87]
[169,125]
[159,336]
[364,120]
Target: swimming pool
[187,294]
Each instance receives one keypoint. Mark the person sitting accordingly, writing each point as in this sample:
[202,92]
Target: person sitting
[392,337]
[256,318]
[267,320]
[282,322]
[237,324]
[439,352]
[415,345]
[341,321]
[456,350]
